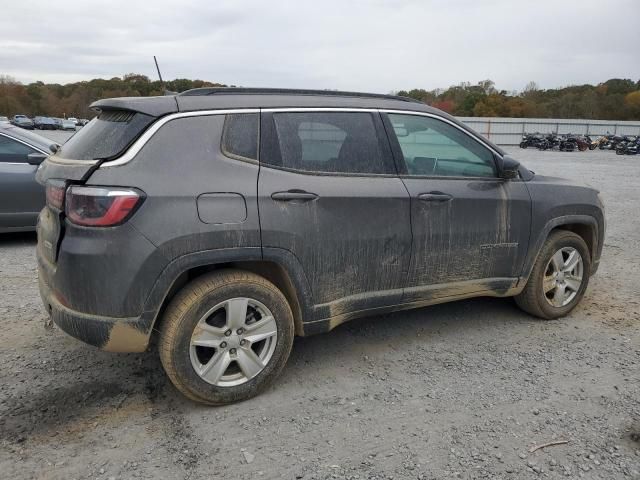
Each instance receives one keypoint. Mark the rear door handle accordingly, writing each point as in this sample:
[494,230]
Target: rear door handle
[294,196]
[435,197]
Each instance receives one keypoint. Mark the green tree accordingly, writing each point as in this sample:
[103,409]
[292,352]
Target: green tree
[614,99]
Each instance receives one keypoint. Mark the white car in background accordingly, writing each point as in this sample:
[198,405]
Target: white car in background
[68,124]
[4,119]
[74,120]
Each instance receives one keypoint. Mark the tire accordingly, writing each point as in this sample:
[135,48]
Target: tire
[195,303]
[523,145]
[532,299]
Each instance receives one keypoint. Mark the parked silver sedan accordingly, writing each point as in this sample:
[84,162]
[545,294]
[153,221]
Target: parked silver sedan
[21,197]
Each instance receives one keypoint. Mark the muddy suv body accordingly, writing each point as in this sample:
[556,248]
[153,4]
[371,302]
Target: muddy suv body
[299,209]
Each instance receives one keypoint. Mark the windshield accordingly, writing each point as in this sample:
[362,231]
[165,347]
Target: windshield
[106,136]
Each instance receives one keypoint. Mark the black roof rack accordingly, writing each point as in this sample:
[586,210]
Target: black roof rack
[288,91]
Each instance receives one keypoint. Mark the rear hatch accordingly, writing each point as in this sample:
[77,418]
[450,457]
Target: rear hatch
[120,122]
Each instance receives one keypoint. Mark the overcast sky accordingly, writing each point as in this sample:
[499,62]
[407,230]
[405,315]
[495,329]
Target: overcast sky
[376,45]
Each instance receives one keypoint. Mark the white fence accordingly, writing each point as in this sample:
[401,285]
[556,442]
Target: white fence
[509,131]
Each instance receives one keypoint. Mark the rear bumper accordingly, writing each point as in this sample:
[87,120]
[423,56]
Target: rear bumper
[112,334]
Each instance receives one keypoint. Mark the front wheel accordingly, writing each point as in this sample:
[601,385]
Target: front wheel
[523,145]
[559,277]
[226,336]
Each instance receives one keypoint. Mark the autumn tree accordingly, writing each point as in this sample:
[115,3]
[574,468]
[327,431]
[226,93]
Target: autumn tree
[614,99]
[632,101]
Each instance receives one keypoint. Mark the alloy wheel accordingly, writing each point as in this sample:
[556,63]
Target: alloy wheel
[563,277]
[233,342]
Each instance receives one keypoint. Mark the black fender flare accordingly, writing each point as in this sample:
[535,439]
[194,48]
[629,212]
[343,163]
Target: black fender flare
[178,266]
[558,222]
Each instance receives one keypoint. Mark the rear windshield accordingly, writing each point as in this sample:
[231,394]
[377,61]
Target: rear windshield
[106,136]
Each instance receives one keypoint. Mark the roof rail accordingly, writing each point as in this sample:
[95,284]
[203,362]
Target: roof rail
[288,91]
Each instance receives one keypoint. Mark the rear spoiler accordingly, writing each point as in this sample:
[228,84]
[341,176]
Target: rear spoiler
[153,106]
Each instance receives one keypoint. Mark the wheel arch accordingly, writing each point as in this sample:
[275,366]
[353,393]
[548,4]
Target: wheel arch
[585,226]
[588,232]
[277,267]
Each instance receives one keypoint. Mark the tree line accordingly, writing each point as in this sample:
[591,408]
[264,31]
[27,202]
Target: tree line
[615,99]
[73,99]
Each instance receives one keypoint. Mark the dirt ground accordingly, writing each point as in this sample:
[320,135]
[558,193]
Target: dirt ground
[462,390]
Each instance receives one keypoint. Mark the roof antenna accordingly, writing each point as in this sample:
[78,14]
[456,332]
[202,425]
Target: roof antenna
[166,92]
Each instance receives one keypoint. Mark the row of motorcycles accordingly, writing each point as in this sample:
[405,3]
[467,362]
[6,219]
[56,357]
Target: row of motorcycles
[622,144]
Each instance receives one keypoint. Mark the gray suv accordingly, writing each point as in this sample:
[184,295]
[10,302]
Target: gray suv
[223,222]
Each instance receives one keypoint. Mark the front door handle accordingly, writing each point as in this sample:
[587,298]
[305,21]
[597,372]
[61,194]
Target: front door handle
[294,196]
[435,197]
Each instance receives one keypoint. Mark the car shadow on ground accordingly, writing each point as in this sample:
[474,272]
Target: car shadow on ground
[18,239]
[108,380]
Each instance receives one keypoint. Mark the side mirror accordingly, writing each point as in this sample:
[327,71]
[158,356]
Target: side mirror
[36,158]
[509,167]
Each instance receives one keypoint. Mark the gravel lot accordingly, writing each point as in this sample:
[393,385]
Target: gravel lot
[462,390]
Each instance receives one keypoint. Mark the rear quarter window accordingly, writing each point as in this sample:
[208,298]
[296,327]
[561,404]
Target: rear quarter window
[106,136]
[240,135]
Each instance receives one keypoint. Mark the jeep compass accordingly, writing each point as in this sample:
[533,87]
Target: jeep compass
[223,222]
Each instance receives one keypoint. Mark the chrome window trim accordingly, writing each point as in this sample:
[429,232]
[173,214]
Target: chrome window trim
[135,148]
[151,131]
[318,109]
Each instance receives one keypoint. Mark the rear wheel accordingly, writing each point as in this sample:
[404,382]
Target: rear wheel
[226,336]
[559,277]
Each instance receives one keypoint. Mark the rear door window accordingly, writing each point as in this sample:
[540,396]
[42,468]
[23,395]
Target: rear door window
[12,151]
[106,136]
[328,142]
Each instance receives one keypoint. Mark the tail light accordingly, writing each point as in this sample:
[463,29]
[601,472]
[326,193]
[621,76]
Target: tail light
[54,191]
[101,206]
